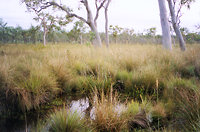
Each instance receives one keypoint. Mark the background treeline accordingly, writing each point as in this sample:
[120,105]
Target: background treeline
[80,34]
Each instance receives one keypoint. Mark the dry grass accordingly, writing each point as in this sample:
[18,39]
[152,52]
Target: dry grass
[107,117]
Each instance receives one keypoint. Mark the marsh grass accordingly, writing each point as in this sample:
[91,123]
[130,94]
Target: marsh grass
[33,75]
[64,120]
[106,115]
[186,98]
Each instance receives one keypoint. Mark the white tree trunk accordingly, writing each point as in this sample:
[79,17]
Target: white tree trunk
[175,25]
[91,23]
[106,23]
[44,38]
[97,41]
[81,37]
[166,37]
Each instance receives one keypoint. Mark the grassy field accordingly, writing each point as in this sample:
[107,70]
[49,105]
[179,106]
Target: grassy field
[159,89]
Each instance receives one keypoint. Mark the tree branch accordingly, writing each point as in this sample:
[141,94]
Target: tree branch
[98,9]
[67,11]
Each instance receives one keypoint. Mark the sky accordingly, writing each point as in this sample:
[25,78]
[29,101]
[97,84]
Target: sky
[133,14]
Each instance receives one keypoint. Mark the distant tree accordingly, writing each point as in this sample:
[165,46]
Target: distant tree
[34,33]
[115,31]
[77,31]
[127,35]
[2,30]
[18,34]
[151,32]
[184,31]
[47,21]
[92,22]
[166,37]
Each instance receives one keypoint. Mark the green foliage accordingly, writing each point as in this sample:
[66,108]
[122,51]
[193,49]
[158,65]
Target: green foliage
[133,108]
[139,115]
[151,32]
[77,30]
[115,31]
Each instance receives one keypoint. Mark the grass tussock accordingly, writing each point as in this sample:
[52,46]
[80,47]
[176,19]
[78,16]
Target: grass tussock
[66,121]
[186,99]
[107,117]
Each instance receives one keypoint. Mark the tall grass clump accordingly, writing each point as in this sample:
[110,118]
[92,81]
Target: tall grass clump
[26,86]
[66,121]
[186,96]
[139,115]
[66,80]
[107,117]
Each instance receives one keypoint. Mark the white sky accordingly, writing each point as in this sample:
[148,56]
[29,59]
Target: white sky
[134,14]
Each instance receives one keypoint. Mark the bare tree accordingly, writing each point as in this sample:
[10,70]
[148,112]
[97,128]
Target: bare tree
[166,37]
[92,22]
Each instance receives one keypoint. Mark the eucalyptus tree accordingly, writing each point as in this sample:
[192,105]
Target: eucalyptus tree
[115,31]
[151,32]
[106,22]
[175,18]
[40,5]
[166,37]
[48,23]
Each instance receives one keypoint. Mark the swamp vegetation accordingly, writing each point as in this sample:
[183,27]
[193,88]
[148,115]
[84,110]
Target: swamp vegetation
[128,87]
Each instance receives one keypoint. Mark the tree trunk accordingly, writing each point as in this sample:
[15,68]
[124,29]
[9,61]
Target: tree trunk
[106,28]
[44,38]
[175,25]
[166,37]
[106,24]
[91,23]
[81,37]
[97,41]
